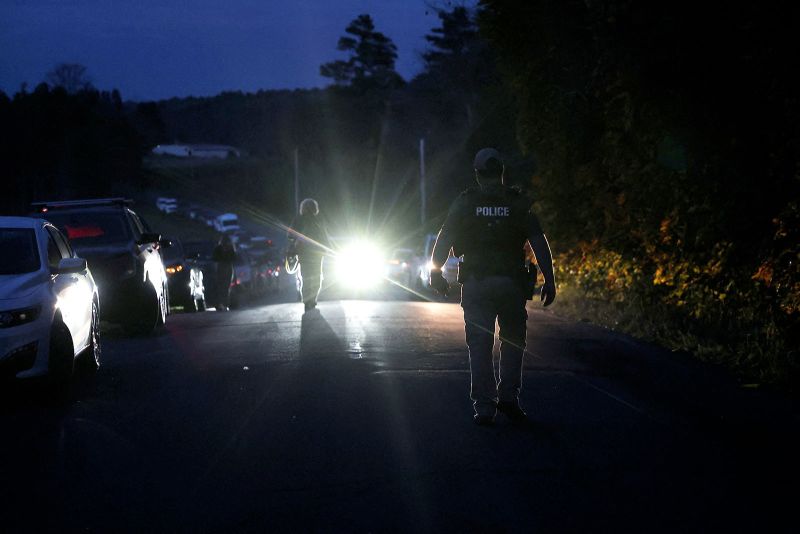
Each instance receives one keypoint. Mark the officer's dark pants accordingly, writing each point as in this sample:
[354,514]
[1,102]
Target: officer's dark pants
[484,300]
[223,283]
[310,274]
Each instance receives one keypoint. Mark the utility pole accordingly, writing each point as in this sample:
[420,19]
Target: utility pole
[422,194]
[296,180]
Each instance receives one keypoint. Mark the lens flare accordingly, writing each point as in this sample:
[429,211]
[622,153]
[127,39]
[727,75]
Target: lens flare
[360,265]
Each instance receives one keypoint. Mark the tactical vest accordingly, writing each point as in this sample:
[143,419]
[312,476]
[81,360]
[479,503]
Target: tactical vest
[491,230]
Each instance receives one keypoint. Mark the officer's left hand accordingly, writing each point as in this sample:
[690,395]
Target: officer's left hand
[548,293]
[439,283]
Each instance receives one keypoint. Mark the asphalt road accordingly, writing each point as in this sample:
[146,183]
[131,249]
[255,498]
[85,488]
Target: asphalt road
[356,418]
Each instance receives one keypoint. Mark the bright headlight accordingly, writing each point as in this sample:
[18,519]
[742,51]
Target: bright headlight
[360,265]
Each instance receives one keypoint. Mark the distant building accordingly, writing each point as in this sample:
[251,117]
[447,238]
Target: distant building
[197,151]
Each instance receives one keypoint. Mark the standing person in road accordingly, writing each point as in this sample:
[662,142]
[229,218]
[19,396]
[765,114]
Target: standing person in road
[224,255]
[308,238]
[489,225]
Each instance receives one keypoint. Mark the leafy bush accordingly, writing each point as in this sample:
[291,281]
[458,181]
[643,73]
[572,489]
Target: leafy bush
[668,142]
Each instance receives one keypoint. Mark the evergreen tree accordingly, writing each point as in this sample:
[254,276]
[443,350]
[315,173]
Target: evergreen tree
[371,61]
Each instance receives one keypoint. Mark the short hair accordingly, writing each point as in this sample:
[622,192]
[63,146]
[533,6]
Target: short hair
[493,171]
[309,205]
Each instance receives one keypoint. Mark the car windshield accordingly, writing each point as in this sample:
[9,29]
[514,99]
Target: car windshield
[92,227]
[25,256]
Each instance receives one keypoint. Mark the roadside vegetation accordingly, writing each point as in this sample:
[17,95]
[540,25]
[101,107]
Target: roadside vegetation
[668,141]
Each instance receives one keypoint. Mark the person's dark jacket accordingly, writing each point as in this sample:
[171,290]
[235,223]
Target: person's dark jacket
[309,235]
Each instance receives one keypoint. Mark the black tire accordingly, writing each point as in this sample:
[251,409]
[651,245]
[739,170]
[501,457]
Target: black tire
[163,306]
[91,356]
[61,360]
[147,312]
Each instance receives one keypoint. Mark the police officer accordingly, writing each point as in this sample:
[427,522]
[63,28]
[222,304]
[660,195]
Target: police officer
[308,238]
[488,225]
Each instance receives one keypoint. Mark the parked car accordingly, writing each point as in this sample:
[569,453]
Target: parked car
[167,204]
[49,305]
[403,266]
[268,263]
[184,278]
[226,223]
[123,254]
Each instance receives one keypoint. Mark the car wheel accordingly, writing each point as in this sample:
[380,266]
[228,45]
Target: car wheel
[90,359]
[61,361]
[163,306]
[147,313]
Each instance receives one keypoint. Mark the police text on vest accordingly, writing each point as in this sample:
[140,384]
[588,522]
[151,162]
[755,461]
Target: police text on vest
[492,211]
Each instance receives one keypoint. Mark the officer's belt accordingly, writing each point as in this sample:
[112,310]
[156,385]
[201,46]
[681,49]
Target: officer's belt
[483,269]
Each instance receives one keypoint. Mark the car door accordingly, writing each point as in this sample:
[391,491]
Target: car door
[73,290]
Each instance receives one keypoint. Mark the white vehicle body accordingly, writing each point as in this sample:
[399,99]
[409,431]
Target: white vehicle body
[167,204]
[47,296]
[227,222]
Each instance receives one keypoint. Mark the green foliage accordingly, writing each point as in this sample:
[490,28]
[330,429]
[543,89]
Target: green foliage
[666,137]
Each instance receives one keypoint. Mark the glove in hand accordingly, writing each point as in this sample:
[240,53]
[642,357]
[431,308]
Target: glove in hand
[439,284]
[548,294]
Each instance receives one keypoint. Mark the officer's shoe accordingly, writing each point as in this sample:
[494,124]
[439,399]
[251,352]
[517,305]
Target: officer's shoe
[483,420]
[512,410]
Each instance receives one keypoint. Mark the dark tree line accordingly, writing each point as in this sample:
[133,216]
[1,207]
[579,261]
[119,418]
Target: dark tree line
[59,142]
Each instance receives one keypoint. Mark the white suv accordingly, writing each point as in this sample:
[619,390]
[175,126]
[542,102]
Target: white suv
[48,303]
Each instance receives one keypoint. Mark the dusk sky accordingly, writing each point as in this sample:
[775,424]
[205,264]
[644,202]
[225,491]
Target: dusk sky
[152,49]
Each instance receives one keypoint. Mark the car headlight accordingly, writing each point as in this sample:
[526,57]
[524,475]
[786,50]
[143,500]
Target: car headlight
[18,317]
[360,265]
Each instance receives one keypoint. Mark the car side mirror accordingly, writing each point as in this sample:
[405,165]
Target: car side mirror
[148,238]
[70,266]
